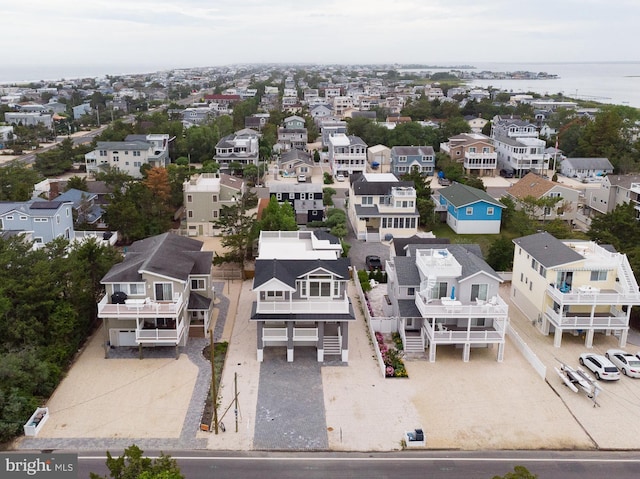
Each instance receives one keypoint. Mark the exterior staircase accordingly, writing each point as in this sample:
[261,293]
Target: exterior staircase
[331,345]
[413,343]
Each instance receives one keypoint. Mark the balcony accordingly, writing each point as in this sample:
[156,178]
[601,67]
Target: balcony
[612,319]
[588,295]
[304,306]
[438,262]
[279,334]
[171,334]
[436,308]
[141,308]
[452,334]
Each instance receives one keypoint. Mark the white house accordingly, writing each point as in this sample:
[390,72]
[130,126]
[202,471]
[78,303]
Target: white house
[347,154]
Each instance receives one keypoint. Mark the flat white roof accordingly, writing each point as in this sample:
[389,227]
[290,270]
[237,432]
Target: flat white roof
[295,245]
[380,177]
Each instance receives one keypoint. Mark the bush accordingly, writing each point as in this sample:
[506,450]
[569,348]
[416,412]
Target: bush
[363,277]
[327,178]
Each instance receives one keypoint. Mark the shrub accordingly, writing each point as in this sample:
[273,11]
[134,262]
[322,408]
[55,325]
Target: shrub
[363,277]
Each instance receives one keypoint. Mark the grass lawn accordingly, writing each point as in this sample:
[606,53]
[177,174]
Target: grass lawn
[485,241]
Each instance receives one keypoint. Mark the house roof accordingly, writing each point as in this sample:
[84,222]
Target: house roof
[361,186]
[461,195]
[123,145]
[168,255]
[197,302]
[412,151]
[547,250]
[468,255]
[588,163]
[531,185]
[400,244]
[624,181]
[408,309]
[406,271]
[76,196]
[231,181]
[288,271]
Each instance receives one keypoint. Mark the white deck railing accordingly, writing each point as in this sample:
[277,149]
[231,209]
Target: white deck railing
[304,306]
[141,308]
[163,335]
[435,308]
[593,297]
[567,320]
[280,334]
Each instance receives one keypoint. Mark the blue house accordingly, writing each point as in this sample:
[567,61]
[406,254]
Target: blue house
[469,210]
[43,220]
[406,158]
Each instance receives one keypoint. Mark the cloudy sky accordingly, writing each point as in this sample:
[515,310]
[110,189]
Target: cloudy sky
[144,35]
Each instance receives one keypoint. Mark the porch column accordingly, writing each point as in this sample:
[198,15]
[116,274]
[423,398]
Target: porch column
[622,342]
[106,338]
[557,337]
[289,341]
[588,341]
[466,352]
[260,342]
[500,355]
[344,331]
[432,352]
[320,343]
[545,326]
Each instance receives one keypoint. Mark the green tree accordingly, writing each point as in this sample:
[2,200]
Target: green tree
[500,254]
[17,181]
[77,183]
[619,228]
[327,196]
[235,224]
[133,465]
[275,217]
[519,472]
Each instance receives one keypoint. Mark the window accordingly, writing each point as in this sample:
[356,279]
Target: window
[164,291]
[126,152]
[36,220]
[543,271]
[189,213]
[189,199]
[402,159]
[367,200]
[10,218]
[469,211]
[136,153]
[274,294]
[534,263]
[439,290]
[129,288]
[598,276]
[490,211]
[22,218]
[479,291]
[198,284]
[214,198]
[411,291]
[116,158]
[319,286]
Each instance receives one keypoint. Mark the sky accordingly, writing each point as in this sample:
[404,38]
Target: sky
[149,35]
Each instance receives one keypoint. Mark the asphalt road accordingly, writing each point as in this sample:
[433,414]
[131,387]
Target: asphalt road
[432,465]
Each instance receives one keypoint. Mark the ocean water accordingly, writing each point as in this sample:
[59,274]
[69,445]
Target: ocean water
[611,82]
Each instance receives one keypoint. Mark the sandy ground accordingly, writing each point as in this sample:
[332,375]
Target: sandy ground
[481,404]
[132,398]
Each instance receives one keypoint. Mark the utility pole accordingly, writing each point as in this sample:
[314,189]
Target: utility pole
[214,393]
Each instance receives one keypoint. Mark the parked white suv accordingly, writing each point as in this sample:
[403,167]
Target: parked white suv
[302,178]
[600,366]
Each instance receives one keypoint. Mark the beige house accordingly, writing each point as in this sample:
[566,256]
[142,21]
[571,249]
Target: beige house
[614,190]
[204,196]
[159,295]
[573,286]
[475,151]
[532,185]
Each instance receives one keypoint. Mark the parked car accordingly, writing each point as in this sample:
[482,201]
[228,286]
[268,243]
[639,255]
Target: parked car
[340,177]
[506,173]
[373,263]
[302,178]
[600,366]
[625,362]
[444,181]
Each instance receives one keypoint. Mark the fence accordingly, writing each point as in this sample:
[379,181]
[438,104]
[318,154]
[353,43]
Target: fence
[527,352]
[373,324]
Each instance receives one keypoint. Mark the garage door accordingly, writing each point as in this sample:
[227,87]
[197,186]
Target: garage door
[123,337]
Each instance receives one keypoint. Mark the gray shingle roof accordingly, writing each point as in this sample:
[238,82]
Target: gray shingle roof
[288,271]
[412,151]
[408,309]
[376,188]
[468,255]
[167,254]
[547,250]
[589,163]
[400,244]
[461,195]
[406,271]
